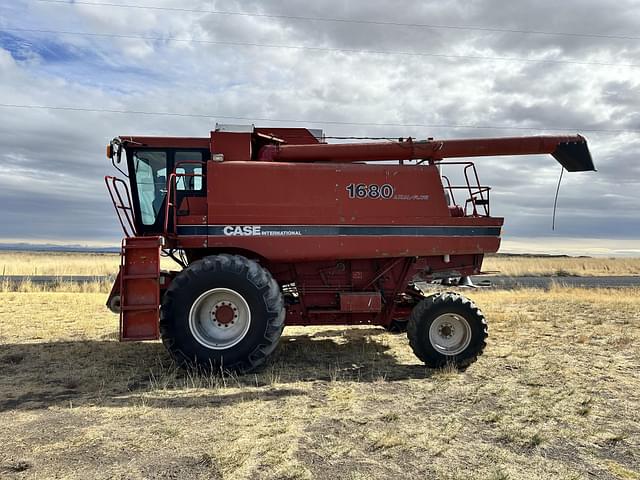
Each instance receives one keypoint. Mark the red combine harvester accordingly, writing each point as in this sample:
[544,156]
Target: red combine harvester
[275,227]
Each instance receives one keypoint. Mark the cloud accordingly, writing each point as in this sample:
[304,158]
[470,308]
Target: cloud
[53,160]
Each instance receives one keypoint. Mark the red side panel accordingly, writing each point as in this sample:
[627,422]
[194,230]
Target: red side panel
[140,288]
[293,136]
[311,248]
[264,193]
[234,146]
[355,302]
[293,212]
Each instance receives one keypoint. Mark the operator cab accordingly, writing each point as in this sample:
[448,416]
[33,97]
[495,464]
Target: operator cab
[155,169]
[167,175]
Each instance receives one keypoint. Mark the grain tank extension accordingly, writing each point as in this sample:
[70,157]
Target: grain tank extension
[275,227]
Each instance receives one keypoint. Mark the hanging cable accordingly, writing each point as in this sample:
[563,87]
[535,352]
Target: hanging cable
[168,38]
[320,122]
[472,28]
[555,202]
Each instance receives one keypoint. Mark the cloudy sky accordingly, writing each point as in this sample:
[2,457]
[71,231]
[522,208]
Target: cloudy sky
[404,68]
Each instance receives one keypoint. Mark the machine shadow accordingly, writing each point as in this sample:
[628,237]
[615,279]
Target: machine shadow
[350,354]
[108,373]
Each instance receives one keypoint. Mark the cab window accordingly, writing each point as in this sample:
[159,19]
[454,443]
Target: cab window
[150,168]
[189,175]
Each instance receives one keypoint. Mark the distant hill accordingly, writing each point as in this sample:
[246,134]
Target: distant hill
[47,247]
[73,248]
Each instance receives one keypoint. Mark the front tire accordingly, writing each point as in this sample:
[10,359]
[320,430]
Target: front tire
[222,312]
[447,328]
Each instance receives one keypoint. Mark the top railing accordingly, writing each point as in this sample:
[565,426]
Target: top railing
[478,198]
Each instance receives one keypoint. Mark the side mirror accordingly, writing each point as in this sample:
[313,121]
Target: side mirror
[114,150]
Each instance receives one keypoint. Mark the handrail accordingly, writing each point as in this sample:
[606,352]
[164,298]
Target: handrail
[475,202]
[476,192]
[484,203]
[122,209]
[170,183]
[453,198]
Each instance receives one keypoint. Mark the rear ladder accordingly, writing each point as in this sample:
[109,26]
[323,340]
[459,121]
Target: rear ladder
[140,288]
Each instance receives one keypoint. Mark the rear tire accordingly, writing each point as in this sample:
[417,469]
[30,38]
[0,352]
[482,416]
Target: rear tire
[222,312]
[447,328]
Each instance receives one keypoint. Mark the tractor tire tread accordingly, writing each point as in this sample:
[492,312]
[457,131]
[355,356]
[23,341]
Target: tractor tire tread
[439,300]
[257,276]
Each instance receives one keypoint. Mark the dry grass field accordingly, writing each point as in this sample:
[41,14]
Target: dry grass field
[37,263]
[48,263]
[561,266]
[556,395]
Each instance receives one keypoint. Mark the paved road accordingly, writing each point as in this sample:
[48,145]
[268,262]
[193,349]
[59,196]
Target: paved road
[546,282]
[479,281]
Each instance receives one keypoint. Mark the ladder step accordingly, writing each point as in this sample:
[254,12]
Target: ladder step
[138,247]
[152,308]
[140,287]
[142,276]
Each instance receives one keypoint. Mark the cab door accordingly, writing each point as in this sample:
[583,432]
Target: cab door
[189,188]
[148,181]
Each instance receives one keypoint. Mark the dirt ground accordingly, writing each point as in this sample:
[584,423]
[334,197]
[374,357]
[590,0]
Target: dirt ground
[556,395]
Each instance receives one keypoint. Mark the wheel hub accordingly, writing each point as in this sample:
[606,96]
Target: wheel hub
[450,334]
[219,318]
[446,330]
[224,313]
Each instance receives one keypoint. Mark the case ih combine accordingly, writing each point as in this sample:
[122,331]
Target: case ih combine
[275,227]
